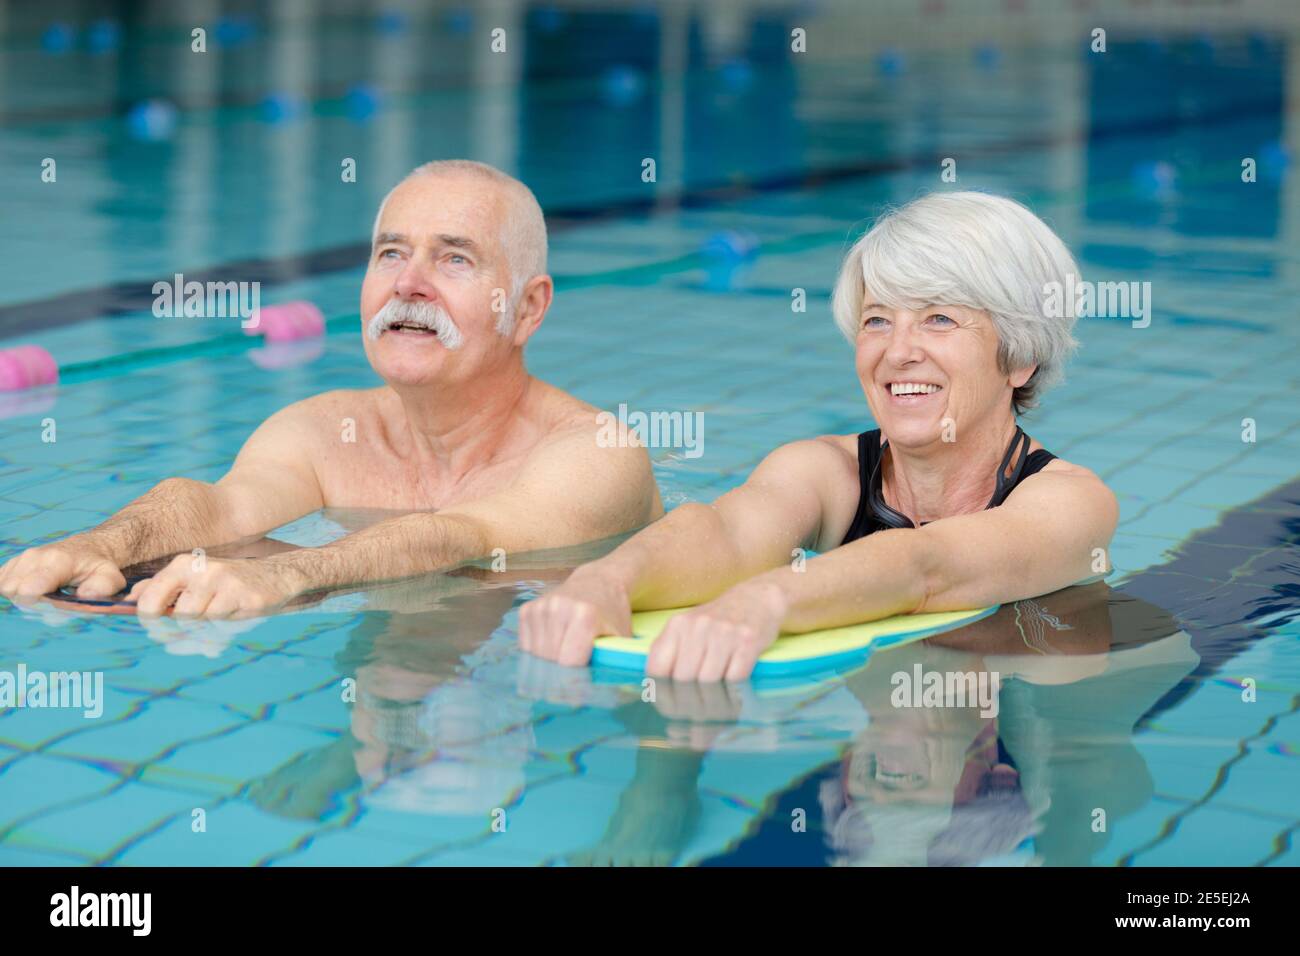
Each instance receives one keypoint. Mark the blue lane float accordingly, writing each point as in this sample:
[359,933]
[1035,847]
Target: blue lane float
[548,19]
[891,62]
[988,56]
[622,85]
[362,102]
[103,36]
[231,31]
[458,21]
[737,74]
[392,22]
[728,256]
[58,38]
[1155,179]
[1273,160]
[281,108]
[152,120]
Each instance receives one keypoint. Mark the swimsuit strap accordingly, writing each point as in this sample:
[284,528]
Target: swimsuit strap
[884,514]
[1006,483]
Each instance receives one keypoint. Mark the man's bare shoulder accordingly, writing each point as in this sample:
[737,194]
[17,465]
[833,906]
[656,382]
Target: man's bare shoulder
[329,412]
[560,420]
[571,425]
[311,429]
[575,446]
[558,412]
[342,402]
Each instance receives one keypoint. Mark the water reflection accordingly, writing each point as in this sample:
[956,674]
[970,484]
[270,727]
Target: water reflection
[946,785]
[428,733]
[444,711]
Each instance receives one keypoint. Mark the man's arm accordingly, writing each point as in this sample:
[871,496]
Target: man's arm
[271,482]
[568,491]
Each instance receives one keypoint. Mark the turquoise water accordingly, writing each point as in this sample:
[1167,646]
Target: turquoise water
[457,749]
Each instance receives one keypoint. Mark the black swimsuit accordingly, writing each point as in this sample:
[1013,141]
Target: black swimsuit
[874,515]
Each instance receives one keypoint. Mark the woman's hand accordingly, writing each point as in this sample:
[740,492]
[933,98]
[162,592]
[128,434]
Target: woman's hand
[210,587]
[720,640]
[563,625]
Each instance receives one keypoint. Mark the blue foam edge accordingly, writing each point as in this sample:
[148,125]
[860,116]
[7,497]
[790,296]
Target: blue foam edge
[627,663]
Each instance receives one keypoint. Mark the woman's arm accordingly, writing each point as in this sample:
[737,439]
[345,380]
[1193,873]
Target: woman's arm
[695,553]
[1052,532]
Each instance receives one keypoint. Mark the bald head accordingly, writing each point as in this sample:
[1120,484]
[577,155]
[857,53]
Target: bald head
[523,228]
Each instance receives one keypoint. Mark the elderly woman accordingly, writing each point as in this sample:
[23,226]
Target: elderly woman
[947,505]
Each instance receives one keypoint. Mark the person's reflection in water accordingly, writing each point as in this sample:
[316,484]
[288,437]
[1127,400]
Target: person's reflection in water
[426,736]
[657,813]
[946,786]
[924,785]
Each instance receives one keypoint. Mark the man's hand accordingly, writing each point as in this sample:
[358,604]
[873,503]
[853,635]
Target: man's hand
[720,640]
[38,571]
[208,587]
[563,625]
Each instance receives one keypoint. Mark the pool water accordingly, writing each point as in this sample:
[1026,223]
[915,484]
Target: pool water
[1150,720]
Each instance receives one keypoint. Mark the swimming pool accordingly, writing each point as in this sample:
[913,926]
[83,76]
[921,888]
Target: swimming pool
[452,748]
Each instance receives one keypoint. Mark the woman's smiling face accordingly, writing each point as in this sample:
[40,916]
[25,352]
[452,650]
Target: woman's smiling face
[922,369]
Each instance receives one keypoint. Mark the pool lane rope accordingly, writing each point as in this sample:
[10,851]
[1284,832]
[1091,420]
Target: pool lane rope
[26,367]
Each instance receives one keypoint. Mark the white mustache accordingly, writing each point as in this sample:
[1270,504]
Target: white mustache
[424,314]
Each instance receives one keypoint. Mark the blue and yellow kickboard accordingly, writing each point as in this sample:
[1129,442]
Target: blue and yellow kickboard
[792,655]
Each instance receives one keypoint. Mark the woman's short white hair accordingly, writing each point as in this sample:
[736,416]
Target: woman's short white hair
[523,233]
[976,250]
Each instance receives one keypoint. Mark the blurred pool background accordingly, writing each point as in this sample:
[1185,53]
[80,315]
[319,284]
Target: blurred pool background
[680,295]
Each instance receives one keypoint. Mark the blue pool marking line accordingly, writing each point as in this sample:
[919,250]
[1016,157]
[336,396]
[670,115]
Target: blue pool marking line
[793,655]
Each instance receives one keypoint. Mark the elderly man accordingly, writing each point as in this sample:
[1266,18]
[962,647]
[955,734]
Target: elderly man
[485,455]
